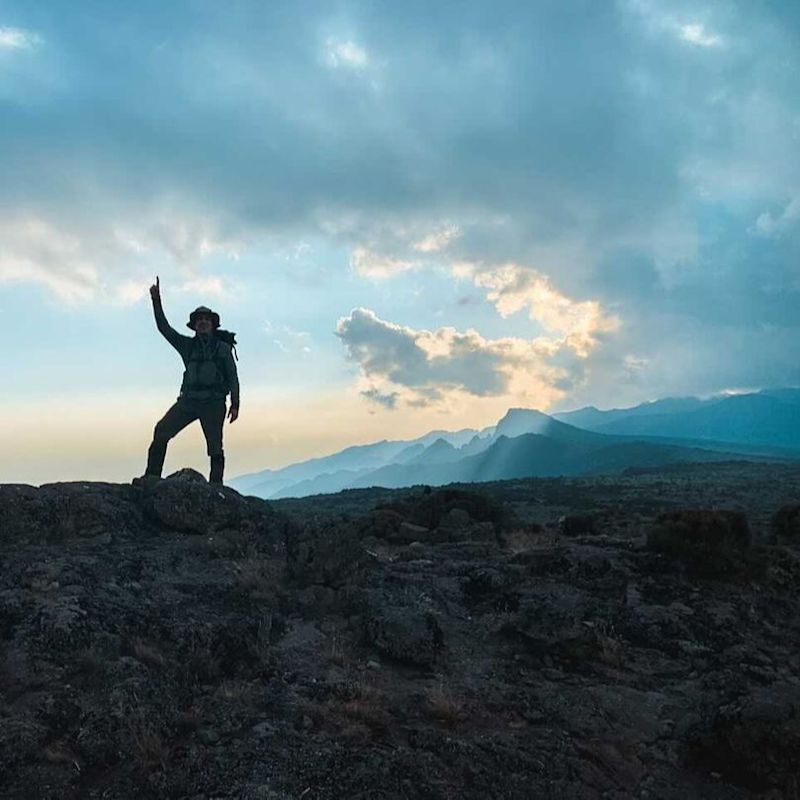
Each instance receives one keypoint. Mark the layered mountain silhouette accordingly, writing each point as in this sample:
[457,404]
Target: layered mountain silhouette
[767,418]
[529,443]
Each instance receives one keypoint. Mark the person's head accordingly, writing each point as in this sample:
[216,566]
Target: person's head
[203,323]
[203,320]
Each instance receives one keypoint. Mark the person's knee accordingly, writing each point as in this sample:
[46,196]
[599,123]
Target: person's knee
[214,449]
[161,433]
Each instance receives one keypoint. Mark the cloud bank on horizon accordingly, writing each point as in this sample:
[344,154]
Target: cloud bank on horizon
[612,190]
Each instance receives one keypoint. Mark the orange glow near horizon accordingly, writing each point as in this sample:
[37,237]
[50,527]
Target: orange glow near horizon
[106,438]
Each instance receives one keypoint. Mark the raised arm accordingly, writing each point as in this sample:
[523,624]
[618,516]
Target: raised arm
[177,340]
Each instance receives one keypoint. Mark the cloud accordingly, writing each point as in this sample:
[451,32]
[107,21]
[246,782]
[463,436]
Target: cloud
[346,54]
[658,18]
[32,250]
[388,400]
[438,240]
[370,264]
[289,340]
[512,288]
[83,261]
[18,39]
[696,34]
[773,225]
[424,367]
[389,248]
[209,285]
[130,292]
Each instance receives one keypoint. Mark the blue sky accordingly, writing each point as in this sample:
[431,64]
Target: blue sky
[414,215]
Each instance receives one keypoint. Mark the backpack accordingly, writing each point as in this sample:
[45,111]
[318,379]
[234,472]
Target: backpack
[205,375]
[229,337]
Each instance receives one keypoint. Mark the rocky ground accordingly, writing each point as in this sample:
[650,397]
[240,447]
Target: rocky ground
[586,638]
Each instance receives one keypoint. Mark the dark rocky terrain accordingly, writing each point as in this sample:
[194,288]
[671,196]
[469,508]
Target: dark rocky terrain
[634,636]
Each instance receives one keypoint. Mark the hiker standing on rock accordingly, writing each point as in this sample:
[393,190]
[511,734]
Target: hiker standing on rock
[209,376]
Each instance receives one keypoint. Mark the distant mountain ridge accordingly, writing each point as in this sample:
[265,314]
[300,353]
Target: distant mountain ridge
[353,459]
[530,443]
[770,417]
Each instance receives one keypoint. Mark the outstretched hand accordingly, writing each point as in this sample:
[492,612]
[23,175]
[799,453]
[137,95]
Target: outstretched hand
[233,414]
[155,290]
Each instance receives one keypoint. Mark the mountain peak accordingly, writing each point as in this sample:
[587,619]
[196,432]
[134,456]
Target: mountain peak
[518,421]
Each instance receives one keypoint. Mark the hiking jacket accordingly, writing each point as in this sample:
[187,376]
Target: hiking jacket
[209,368]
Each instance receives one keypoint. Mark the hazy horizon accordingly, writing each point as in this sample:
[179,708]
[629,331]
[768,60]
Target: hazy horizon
[414,217]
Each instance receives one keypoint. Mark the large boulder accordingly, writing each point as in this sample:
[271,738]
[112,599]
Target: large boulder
[24,514]
[406,634]
[786,524]
[577,524]
[325,551]
[383,524]
[187,503]
[191,506]
[57,512]
[430,508]
[708,541]
[755,740]
[556,619]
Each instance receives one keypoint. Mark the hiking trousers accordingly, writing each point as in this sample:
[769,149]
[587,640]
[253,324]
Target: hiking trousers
[211,414]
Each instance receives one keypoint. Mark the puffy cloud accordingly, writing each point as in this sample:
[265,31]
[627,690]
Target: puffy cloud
[513,288]
[425,367]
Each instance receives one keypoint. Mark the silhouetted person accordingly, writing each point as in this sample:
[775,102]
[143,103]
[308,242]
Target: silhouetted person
[209,376]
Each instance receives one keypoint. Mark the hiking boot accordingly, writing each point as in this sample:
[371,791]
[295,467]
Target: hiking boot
[146,481]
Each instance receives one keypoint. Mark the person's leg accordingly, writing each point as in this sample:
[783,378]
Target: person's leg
[172,423]
[212,418]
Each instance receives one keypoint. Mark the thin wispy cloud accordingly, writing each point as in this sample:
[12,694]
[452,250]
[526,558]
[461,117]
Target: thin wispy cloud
[438,240]
[695,33]
[771,224]
[18,39]
[370,264]
[346,54]
[288,339]
[34,251]
[207,285]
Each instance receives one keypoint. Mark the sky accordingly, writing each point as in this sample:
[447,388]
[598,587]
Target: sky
[414,215]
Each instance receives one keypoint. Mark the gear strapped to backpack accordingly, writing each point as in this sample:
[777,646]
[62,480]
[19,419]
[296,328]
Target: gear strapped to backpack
[229,337]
